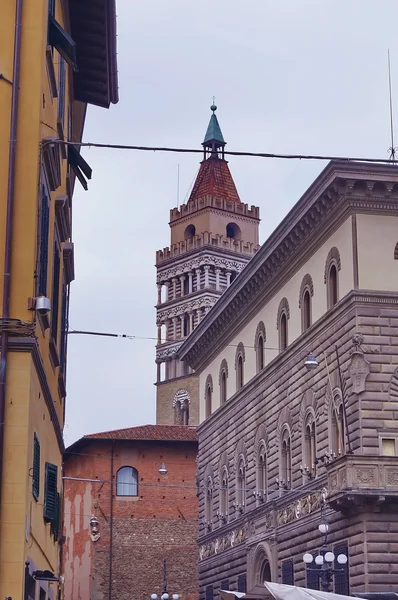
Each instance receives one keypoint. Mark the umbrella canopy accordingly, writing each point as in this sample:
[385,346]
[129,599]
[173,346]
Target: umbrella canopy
[280,591]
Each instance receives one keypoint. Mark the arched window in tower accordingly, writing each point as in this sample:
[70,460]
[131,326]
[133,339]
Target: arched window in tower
[208,396]
[309,445]
[260,353]
[239,371]
[223,387]
[306,310]
[189,232]
[186,325]
[233,231]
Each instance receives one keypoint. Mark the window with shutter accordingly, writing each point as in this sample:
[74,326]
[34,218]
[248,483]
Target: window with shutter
[341,576]
[242,583]
[43,243]
[56,523]
[224,585]
[79,166]
[59,39]
[313,574]
[61,90]
[209,592]
[64,327]
[55,291]
[50,492]
[36,468]
[288,572]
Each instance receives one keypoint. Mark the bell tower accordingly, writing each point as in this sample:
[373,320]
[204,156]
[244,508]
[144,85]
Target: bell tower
[213,236]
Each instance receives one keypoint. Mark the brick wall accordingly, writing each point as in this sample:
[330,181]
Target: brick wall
[160,523]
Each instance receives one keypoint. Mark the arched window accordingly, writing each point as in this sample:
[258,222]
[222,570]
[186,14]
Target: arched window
[309,446]
[282,320]
[233,231]
[127,482]
[259,344]
[306,310]
[286,460]
[332,267]
[239,362]
[338,437]
[332,286]
[209,502]
[241,486]
[190,232]
[223,381]
[262,478]
[224,495]
[265,572]
[283,332]
[208,396]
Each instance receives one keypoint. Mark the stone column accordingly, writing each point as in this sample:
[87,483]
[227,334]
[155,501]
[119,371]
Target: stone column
[199,314]
[207,269]
[182,279]
[174,280]
[197,279]
[191,322]
[228,274]
[159,293]
[174,328]
[167,284]
[158,365]
[167,323]
[218,271]
[159,334]
[190,282]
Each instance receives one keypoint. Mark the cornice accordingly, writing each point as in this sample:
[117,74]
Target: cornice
[323,327]
[29,344]
[321,210]
[235,215]
[181,265]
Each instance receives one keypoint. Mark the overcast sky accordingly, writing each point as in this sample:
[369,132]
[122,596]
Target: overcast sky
[298,76]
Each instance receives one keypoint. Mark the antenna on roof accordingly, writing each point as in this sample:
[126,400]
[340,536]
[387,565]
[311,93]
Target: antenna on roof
[178,186]
[392,150]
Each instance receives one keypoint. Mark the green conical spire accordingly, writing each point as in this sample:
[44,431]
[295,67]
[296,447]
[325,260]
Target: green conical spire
[213,133]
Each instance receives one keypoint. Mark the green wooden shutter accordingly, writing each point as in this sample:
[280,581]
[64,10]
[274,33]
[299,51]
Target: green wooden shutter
[50,492]
[36,468]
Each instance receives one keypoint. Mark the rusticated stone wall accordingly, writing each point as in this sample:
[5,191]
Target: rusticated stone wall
[360,489]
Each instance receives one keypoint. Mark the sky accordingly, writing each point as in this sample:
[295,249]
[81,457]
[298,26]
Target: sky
[289,76]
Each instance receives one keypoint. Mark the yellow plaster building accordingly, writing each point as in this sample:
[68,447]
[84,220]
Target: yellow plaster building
[56,56]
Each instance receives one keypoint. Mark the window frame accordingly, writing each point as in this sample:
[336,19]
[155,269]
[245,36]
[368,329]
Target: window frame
[36,468]
[124,483]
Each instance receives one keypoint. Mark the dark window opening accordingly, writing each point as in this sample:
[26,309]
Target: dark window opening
[36,468]
[283,332]
[242,584]
[61,90]
[233,231]
[190,232]
[265,572]
[208,402]
[341,577]
[306,310]
[260,353]
[332,286]
[288,572]
[223,391]
[239,371]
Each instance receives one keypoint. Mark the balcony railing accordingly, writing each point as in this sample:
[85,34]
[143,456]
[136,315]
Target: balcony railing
[362,479]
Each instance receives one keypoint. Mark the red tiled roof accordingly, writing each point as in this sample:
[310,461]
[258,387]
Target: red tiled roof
[173,433]
[214,179]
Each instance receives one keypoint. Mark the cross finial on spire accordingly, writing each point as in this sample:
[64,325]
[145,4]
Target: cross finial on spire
[213,107]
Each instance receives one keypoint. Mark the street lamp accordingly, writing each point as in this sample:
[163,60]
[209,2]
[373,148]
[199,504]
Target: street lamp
[324,560]
[165,594]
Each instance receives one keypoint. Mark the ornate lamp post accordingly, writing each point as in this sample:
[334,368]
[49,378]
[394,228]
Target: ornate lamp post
[165,594]
[324,560]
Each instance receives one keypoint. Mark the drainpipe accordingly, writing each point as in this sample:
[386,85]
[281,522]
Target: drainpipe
[9,222]
[111,529]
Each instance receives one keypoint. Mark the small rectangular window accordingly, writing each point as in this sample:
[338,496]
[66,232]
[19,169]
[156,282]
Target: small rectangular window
[288,572]
[313,575]
[50,492]
[341,576]
[224,585]
[209,594]
[36,468]
[388,447]
[242,583]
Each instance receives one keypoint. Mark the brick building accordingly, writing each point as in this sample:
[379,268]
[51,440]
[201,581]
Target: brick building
[122,517]
[284,448]
[213,236]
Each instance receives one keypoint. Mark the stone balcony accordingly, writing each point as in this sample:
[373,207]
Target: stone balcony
[363,481]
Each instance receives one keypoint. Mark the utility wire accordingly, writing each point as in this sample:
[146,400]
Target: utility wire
[228,152]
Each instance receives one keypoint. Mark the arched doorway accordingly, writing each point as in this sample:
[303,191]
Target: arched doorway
[265,571]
